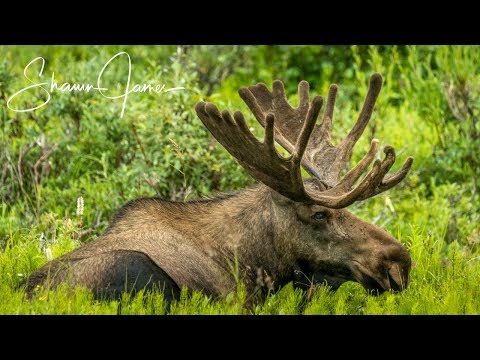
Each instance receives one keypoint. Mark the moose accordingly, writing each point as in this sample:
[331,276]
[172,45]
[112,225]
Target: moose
[288,227]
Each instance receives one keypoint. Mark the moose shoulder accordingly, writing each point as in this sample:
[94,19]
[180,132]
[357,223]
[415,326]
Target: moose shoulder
[286,228]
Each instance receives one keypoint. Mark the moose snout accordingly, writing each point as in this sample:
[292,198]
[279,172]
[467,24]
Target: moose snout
[397,265]
[387,269]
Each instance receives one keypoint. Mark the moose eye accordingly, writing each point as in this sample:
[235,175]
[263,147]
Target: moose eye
[319,216]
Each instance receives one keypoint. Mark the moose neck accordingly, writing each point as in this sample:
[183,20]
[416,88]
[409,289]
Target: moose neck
[252,232]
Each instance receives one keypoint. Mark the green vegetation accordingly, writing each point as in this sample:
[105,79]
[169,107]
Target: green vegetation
[78,145]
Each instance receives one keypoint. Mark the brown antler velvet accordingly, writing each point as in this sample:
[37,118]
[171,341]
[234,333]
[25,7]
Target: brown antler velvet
[309,145]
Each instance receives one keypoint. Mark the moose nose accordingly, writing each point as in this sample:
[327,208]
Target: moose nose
[398,268]
[387,270]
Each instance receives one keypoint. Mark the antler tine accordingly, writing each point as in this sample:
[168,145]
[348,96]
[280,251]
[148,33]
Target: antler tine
[365,114]
[269,139]
[249,99]
[326,126]
[303,93]
[389,181]
[307,129]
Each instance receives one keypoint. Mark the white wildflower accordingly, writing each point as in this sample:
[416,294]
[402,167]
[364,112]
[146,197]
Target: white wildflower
[42,241]
[48,253]
[80,206]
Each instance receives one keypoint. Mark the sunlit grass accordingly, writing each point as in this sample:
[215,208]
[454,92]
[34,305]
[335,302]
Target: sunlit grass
[445,279]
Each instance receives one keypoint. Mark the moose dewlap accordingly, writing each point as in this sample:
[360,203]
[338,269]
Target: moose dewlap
[286,228]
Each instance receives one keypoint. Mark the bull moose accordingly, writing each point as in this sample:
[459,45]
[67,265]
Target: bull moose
[284,227]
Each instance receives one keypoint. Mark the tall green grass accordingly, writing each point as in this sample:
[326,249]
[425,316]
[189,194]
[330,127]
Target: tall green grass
[445,279]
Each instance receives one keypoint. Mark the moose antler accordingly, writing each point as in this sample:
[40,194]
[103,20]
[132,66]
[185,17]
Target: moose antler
[309,145]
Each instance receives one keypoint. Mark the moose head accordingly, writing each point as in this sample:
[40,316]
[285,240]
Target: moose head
[329,242]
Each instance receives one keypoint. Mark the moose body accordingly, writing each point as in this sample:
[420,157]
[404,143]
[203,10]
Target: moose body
[284,229]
